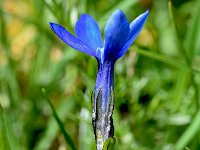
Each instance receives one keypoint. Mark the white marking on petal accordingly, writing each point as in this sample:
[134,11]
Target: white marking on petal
[100,52]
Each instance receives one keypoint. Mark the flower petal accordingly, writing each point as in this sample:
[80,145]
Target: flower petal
[116,33]
[135,28]
[72,41]
[87,30]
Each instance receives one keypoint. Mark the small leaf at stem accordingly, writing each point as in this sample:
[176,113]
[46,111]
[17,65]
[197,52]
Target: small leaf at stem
[109,144]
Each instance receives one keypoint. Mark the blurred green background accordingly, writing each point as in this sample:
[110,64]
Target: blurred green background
[157,104]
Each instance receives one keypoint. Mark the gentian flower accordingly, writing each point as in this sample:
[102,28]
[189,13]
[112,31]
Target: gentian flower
[119,35]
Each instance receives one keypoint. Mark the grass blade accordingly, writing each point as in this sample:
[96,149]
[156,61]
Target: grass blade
[161,58]
[61,125]
[8,140]
[52,10]
[192,35]
[181,49]
[4,142]
[190,132]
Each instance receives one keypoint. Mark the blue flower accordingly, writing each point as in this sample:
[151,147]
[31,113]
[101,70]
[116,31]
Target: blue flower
[119,35]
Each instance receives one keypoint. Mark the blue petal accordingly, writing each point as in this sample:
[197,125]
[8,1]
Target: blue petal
[116,33]
[135,28]
[87,30]
[72,41]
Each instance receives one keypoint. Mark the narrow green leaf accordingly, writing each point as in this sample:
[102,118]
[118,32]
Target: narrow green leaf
[161,58]
[61,125]
[10,74]
[52,10]
[181,49]
[64,109]
[189,133]
[3,35]
[193,32]
[180,88]
[4,135]
[184,53]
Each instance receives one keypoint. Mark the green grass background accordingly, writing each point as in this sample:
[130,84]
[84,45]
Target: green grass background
[157,82]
